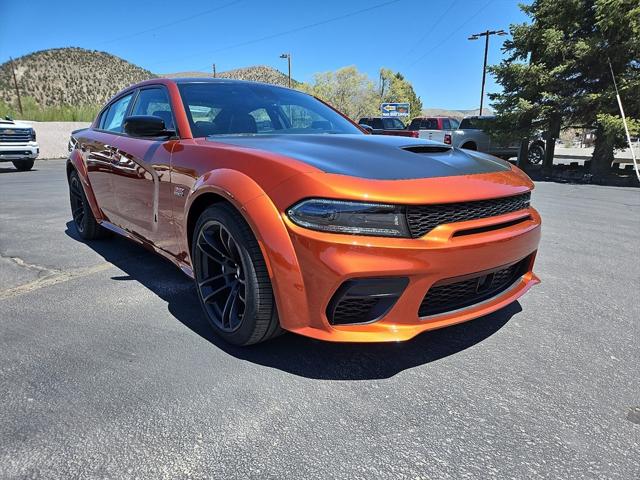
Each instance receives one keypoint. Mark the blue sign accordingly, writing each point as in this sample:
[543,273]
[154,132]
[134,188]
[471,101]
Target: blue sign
[394,109]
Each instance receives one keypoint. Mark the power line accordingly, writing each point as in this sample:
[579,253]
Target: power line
[175,22]
[428,32]
[446,39]
[293,30]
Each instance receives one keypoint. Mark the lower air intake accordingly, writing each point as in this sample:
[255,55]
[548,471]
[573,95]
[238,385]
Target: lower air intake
[449,295]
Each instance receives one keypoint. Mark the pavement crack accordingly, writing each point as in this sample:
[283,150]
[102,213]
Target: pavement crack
[21,263]
[53,277]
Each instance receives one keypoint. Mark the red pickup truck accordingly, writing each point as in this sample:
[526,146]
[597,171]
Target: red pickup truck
[386,126]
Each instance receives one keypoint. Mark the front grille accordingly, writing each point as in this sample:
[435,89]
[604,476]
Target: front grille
[447,296]
[424,218]
[13,135]
[353,310]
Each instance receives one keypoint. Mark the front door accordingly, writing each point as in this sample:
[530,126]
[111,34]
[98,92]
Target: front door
[99,150]
[141,175]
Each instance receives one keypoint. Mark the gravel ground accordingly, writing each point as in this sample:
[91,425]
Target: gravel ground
[108,370]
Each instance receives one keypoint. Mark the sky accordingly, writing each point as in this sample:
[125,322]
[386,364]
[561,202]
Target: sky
[425,40]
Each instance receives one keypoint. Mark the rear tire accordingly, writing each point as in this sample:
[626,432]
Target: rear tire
[86,224]
[232,279]
[23,165]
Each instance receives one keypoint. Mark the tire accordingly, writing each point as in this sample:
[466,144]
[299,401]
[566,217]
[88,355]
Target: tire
[23,165]
[86,224]
[231,278]
[536,153]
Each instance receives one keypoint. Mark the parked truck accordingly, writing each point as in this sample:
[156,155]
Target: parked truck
[470,134]
[386,126]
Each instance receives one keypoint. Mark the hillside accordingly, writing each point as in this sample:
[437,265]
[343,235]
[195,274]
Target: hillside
[68,76]
[459,114]
[260,73]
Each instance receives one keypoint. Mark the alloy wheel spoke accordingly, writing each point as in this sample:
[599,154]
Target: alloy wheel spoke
[209,248]
[228,306]
[214,278]
[213,294]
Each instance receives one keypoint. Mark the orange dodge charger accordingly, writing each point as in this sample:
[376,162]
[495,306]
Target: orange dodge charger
[290,217]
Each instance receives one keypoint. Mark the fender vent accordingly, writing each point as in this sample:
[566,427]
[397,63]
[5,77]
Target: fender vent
[427,148]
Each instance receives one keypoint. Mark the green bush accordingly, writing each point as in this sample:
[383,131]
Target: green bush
[63,113]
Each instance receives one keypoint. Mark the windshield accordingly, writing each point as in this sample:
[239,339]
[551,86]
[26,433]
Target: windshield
[247,108]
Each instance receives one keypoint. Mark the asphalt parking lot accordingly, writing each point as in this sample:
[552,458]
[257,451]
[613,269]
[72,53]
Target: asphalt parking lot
[108,370]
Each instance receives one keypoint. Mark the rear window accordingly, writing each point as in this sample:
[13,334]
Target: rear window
[471,124]
[392,124]
[429,124]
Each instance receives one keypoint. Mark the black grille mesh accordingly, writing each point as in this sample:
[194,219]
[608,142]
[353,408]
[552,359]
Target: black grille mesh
[452,296]
[353,310]
[424,218]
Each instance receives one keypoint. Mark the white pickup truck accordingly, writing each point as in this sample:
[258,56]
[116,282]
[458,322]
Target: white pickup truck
[18,143]
[467,134]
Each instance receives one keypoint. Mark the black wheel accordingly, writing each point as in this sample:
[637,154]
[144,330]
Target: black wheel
[23,165]
[231,278]
[536,153]
[83,218]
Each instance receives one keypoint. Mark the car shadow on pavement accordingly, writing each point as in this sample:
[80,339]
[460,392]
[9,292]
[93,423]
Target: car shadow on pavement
[292,353]
[12,170]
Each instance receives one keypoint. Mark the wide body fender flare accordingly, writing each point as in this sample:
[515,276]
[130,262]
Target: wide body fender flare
[271,233]
[75,162]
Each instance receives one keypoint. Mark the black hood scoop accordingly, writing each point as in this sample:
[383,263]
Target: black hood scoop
[427,148]
[379,157]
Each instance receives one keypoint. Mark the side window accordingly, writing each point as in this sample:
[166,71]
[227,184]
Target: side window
[446,125]
[115,116]
[455,124]
[155,102]
[103,118]
[377,123]
[263,120]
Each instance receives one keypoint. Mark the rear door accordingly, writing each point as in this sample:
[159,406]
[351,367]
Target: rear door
[141,173]
[99,150]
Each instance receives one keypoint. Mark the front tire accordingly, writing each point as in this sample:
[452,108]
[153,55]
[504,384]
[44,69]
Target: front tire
[23,165]
[536,153]
[232,279]
[83,218]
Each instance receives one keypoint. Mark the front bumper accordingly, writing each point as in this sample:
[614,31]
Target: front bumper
[327,261]
[15,151]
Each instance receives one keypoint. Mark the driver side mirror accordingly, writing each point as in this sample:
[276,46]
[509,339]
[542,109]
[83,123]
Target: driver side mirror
[366,128]
[146,126]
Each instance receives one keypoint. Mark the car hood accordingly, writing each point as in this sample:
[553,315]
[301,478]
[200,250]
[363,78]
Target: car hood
[371,156]
[13,124]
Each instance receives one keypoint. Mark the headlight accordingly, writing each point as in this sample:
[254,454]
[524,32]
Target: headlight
[356,218]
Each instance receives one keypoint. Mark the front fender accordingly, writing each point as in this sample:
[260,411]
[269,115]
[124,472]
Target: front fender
[76,162]
[267,225]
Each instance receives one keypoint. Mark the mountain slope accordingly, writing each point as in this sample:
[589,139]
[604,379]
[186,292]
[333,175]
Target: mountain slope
[259,73]
[68,76]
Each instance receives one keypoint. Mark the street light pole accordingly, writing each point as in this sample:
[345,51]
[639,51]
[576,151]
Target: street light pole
[476,36]
[214,70]
[288,57]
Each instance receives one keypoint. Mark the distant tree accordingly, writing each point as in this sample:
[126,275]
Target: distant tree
[557,72]
[356,95]
[347,90]
[394,88]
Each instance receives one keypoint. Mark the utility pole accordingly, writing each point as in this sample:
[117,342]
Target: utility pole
[214,70]
[15,84]
[476,36]
[288,57]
